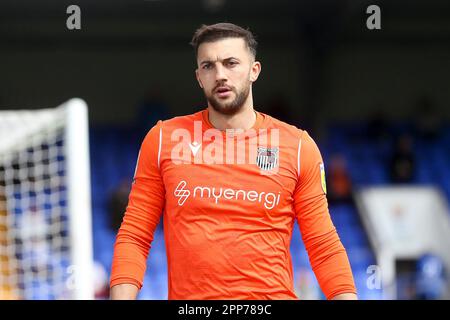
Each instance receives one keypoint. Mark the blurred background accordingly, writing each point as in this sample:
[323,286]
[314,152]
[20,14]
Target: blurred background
[377,102]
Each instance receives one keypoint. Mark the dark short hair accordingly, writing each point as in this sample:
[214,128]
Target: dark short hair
[218,31]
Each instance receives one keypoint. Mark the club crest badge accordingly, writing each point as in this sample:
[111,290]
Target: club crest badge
[267,158]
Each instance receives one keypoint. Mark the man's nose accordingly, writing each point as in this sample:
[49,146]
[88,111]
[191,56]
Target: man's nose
[220,73]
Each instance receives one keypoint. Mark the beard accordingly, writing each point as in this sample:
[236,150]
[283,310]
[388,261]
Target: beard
[232,107]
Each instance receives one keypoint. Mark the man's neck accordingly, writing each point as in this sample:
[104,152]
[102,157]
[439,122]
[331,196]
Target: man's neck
[244,119]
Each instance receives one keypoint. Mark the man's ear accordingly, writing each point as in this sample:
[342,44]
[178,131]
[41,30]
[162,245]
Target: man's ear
[255,71]
[198,79]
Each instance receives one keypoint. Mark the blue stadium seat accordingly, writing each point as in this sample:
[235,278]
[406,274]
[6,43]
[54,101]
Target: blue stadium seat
[343,215]
[352,236]
[360,257]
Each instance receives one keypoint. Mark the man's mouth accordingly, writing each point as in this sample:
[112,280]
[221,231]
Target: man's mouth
[223,92]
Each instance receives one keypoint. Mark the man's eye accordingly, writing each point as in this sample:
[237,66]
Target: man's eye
[206,66]
[232,63]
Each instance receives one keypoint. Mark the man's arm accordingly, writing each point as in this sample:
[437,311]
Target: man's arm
[124,291]
[145,205]
[326,253]
[345,296]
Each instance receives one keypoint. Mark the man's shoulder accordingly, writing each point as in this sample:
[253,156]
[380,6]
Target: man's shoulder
[162,127]
[182,121]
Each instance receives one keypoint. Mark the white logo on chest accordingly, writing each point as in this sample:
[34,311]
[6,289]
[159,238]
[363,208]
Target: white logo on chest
[195,146]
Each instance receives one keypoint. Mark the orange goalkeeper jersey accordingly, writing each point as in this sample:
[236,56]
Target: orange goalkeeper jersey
[229,201]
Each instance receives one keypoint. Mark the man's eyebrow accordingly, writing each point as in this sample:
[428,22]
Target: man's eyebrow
[226,59]
[231,58]
[205,61]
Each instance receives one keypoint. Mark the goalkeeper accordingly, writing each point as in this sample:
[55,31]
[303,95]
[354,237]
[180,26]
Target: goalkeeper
[230,182]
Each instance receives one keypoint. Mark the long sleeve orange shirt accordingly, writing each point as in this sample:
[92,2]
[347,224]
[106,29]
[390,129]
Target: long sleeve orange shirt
[229,202]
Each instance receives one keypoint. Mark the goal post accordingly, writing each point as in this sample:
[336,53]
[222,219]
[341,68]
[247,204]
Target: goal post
[45,206]
[79,197]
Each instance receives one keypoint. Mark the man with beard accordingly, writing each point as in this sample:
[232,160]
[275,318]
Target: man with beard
[229,207]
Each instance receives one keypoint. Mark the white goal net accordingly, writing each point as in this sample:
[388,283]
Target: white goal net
[45,217]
